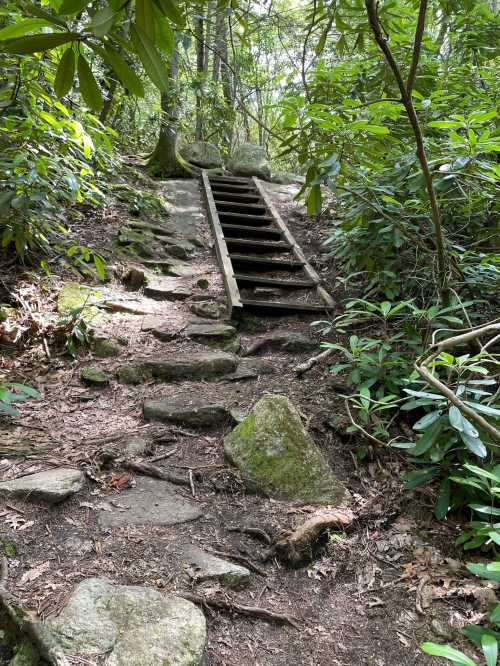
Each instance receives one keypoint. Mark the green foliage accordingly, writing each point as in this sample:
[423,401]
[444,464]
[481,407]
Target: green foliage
[12,393]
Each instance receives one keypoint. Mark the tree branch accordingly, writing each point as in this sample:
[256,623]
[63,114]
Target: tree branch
[417,46]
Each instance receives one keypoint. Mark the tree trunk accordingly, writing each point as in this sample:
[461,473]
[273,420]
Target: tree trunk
[163,160]
[200,73]
[108,102]
[219,40]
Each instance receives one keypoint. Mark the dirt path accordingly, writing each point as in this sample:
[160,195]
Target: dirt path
[354,602]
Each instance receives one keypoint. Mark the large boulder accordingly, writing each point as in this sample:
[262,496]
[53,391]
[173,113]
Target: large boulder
[250,160]
[133,625]
[202,154]
[277,456]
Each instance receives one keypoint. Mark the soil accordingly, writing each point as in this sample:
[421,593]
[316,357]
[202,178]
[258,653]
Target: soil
[369,596]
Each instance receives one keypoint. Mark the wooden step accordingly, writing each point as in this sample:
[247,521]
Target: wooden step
[241,218]
[245,279]
[227,187]
[282,306]
[237,198]
[264,263]
[246,244]
[232,207]
[230,180]
[246,231]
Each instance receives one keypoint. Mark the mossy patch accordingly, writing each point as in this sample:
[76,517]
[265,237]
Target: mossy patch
[74,296]
[94,377]
[278,457]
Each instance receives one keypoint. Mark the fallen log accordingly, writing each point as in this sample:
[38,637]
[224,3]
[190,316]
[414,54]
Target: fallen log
[156,472]
[297,546]
[232,606]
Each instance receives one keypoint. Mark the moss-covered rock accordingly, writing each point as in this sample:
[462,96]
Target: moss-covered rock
[74,296]
[278,457]
[94,377]
[106,348]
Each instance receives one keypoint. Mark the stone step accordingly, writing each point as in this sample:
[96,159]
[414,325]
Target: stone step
[195,413]
[51,486]
[205,365]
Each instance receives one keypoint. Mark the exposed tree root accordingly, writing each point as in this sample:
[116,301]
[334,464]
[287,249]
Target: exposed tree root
[233,607]
[156,472]
[253,531]
[296,547]
[307,365]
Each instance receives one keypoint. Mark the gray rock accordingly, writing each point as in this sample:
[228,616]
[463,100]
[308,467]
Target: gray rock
[194,413]
[213,335]
[205,566]
[164,332]
[288,341]
[150,502]
[204,365]
[94,377]
[249,368]
[286,178]
[51,486]
[168,289]
[170,267]
[179,248]
[208,309]
[278,457]
[134,626]
[203,154]
[250,160]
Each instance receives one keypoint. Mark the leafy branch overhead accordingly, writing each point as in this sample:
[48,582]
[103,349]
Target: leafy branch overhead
[117,33]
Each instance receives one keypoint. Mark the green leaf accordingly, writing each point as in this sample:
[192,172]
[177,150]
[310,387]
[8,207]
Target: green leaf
[40,13]
[455,417]
[88,85]
[38,43]
[65,73]
[72,6]
[419,477]
[150,58]
[23,27]
[475,445]
[125,73]
[490,649]
[448,652]
[479,471]
[314,200]
[171,11]
[444,124]
[424,394]
[490,411]
[495,614]
[482,508]
[427,420]
[102,21]
[443,499]
[144,17]
[428,438]
[8,410]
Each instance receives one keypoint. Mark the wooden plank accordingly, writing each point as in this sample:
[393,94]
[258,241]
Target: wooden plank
[266,264]
[237,198]
[244,278]
[324,295]
[232,290]
[242,218]
[282,306]
[257,245]
[227,187]
[233,207]
[230,180]
[242,230]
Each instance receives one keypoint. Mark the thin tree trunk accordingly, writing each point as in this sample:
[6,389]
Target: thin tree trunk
[219,39]
[200,72]
[163,161]
[407,101]
[108,102]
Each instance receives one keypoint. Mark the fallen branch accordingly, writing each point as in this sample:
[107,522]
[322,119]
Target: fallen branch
[156,472]
[249,611]
[296,547]
[307,365]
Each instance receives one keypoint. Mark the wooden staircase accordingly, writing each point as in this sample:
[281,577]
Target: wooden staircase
[262,266]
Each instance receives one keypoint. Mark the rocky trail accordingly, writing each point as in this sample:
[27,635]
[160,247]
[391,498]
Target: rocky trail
[183,497]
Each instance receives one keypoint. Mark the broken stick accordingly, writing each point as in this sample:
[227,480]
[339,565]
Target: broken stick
[156,472]
[307,365]
[232,606]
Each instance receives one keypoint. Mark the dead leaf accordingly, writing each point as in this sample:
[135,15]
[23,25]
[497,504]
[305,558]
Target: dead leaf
[33,574]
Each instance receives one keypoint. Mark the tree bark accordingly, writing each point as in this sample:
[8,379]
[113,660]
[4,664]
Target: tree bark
[163,160]
[200,73]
